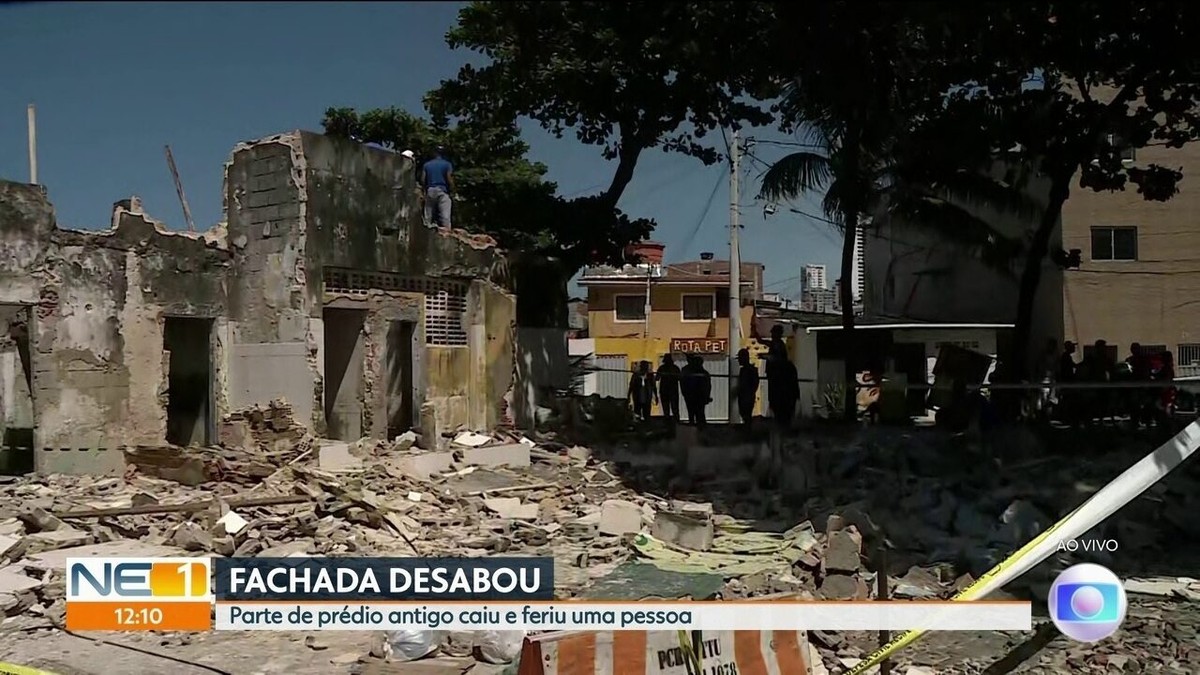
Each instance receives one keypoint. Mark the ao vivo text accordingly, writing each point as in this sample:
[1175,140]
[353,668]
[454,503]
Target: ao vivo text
[1088,545]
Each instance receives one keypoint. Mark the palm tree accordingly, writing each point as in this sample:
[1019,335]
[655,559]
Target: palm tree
[870,160]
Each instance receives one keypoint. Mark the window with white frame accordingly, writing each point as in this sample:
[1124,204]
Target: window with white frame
[630,307]
[1128,154]
[698,307]
[1114,243]
[1189,354]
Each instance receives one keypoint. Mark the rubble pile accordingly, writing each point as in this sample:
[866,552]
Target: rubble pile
[617,526]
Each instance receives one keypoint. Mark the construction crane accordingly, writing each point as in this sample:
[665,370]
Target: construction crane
[187,212]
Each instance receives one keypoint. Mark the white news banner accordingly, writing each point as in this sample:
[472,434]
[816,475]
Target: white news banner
[710,616]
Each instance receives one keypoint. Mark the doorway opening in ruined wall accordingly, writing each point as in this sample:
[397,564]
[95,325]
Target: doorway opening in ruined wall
[345,350]
[188,342]
[16,390]
[401,408]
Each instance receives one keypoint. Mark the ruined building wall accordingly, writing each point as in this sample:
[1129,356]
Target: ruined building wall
[309,215]
[97,302]
[273,346]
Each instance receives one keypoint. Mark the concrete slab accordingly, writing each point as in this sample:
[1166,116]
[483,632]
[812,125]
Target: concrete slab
[423,464]
[54,539]
[618,517]
[259,373]
[335,456]
[513,454]
[511,507]
[124,548]
[683,529]
[14,582]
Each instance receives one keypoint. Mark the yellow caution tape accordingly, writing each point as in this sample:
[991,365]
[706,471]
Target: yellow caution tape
[1110,499]
[11,669]
[965,595]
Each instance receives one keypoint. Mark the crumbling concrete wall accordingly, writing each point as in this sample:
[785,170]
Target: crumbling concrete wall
[364,214]
[273,342]
[98,301]
[384,388]
[300,206]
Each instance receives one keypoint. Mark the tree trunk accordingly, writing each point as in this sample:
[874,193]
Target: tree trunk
[627,159]
[846,295]
[1031,277]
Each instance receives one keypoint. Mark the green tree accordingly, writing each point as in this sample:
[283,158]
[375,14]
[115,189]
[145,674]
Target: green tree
[1122,71]
[626,77]
[864,75]
[503,193]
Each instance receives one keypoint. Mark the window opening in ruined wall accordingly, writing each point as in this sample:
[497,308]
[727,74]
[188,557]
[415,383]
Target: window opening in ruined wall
[445,299]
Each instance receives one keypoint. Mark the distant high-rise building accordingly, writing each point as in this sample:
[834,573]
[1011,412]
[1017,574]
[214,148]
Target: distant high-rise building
[858,272]
[812,278]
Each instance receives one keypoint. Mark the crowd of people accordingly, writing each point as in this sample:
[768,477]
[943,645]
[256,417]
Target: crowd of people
[1147,404]
[693,383]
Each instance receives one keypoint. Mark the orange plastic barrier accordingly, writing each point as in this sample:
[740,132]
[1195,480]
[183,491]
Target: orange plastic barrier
[740,652]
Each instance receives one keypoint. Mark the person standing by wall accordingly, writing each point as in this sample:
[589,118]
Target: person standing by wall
[642,391]
[783,387]
[668,389]
[747,389]
[696,386]
[437,183]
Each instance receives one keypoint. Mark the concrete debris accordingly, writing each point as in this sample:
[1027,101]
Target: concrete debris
[232,523]
[686,530]
[1183,588]
[618,517]
[594,510]
[470,439]
[515,455]
[336,456]
[512,508]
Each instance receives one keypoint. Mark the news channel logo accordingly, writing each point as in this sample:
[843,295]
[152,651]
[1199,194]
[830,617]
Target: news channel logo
[1087,602]
[97,579]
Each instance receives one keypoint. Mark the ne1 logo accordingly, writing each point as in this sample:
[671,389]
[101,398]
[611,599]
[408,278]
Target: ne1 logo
[137,578]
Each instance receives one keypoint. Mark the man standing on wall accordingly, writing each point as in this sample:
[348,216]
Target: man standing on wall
[437,181]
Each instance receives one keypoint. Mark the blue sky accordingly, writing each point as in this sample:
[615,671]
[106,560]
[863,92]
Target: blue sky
[114,82]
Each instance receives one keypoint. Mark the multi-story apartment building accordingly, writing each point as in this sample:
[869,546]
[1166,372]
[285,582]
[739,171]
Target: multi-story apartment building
[1139,276]
[813,278]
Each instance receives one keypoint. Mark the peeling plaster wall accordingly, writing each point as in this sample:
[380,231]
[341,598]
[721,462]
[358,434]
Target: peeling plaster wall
[382,309]
[98,301]
[364,214]
[265,208]
[499,329]
[300,202]
[294,204]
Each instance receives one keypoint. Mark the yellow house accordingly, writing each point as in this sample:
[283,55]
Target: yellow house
[645,311]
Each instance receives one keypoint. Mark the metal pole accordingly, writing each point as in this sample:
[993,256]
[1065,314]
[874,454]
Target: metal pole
[882,593]
[31,114]
[647,310]
[187,213]
[735,278]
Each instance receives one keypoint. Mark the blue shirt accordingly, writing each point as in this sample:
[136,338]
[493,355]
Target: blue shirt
[436,172]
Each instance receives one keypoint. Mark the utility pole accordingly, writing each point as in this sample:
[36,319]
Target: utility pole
[187,213]
[31,115]
[735,277]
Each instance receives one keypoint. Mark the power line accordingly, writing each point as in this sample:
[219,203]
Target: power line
[707,207]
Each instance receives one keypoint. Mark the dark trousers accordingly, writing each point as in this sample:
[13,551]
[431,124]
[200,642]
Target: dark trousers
[695,411]
[784,414]
[642,409]
[670,404]
[746,411]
